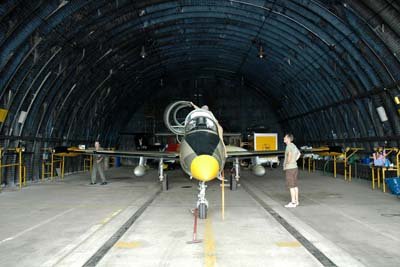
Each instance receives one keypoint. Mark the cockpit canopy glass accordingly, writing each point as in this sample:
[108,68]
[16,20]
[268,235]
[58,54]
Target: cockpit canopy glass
[201,123]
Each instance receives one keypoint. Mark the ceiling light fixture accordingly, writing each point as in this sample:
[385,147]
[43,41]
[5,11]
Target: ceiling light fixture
[261,52]
[382,114]
[143,53]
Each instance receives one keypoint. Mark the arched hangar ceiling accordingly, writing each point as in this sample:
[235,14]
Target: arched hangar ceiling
[80,69]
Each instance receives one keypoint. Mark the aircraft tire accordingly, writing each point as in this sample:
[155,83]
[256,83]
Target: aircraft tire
[202,211]
[233,183]
[165,184]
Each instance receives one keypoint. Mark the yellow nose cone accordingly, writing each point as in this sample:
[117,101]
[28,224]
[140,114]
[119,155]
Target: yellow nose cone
[204,168]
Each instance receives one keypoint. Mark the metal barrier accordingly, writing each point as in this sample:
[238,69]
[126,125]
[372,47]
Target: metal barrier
[46,165]
[349,152]
[60,160]
[21,167]
[49,166]
[46,169]
[311,162]
[375,178]
[384,169]
[87,163]
[394,168]
[340,158]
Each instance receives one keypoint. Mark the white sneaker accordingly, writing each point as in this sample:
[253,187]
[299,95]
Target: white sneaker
[290,205]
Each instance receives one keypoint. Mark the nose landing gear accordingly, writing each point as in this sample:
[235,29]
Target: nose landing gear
[202,203]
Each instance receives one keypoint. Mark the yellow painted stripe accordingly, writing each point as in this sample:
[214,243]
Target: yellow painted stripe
[293,244]
[133,244]
[106,220]
[116,213]
[210,257]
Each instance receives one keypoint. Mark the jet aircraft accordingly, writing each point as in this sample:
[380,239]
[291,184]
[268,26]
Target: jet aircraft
[202,152]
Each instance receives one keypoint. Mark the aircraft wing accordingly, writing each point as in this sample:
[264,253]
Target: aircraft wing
[130,154]
[324,150]
[238,152]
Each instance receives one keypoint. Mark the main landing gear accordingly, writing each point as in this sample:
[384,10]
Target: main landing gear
[235,175]
[162,176]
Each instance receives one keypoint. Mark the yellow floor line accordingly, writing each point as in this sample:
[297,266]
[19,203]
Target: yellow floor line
[210,257]
[293,244]
[122,244]
[106,220]
[116,213]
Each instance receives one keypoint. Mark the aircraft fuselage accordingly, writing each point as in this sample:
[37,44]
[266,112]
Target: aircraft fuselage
[198,143]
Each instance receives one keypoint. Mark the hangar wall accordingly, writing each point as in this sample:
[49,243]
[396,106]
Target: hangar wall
[238,107]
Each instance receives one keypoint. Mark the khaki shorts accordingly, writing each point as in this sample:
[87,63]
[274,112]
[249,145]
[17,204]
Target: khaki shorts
[291,177]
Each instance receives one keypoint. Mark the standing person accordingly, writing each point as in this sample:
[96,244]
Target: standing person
[292,154]
[98,165]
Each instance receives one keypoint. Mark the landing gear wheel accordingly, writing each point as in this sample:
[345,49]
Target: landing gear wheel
[233,183]
[165,184]
[202,211]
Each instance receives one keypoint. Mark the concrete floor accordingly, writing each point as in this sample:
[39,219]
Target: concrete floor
[64,223]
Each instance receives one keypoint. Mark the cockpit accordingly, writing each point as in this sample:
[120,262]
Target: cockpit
[200,120]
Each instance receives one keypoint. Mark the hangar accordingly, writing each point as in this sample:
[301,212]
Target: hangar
[76,71]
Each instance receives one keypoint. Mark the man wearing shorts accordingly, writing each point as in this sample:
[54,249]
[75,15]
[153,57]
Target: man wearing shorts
[292,154]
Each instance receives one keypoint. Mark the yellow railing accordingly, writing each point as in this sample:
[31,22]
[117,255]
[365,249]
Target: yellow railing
[398,163]
[310,163]
[48,167]
[60,160]
[384,169]
[111,162]
[349,152]
[87,163]
[21,167]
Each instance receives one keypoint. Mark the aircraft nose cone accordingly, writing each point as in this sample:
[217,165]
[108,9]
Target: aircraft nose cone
[204,168]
